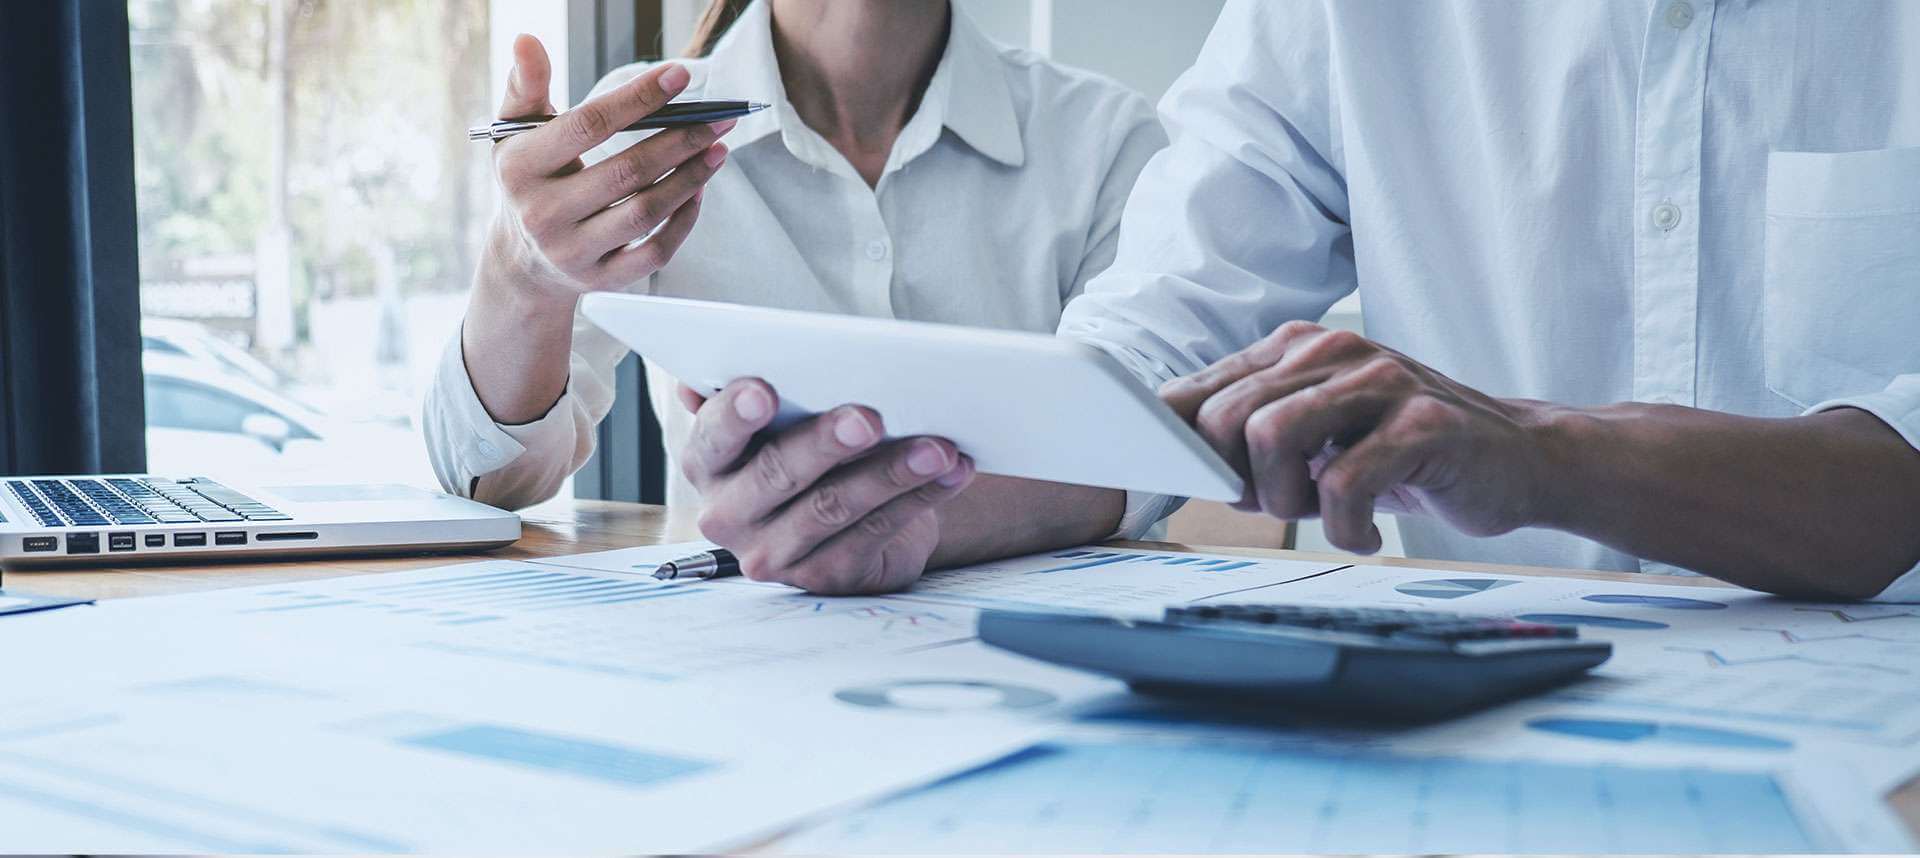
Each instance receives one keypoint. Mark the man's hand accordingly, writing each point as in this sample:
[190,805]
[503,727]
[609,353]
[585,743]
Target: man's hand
[825,505]
[565,228]
[1328,423]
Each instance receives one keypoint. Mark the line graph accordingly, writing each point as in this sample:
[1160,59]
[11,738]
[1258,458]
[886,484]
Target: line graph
[1794,637]
[518,589]
[887,617]
[1846,616]
[1719,659]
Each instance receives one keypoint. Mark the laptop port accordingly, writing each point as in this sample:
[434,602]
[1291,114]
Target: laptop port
[189,540]
[83,543]
[120,542]
[230,537]
[156,540]
[285,536]
[41,543]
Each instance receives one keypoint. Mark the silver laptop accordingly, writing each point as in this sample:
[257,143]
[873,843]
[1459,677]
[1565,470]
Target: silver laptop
[120,518]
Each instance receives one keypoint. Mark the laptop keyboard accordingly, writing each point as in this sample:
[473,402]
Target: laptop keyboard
[136,500]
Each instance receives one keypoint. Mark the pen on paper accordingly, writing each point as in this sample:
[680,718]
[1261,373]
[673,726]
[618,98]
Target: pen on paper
[716,563]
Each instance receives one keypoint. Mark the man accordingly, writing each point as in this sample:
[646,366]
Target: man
[1698,210]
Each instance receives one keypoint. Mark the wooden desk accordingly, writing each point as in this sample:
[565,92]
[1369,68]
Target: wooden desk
[601,525]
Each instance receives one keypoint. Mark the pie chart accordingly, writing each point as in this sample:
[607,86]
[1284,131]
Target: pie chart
[1451,588]
[1672,603]
[1591,620]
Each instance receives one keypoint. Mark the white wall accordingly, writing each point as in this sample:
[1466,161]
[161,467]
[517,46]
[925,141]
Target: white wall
[547,21]
[1144,44]
[1005,20]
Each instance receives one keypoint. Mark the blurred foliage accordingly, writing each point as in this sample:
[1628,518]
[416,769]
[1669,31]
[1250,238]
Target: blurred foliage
[381,181]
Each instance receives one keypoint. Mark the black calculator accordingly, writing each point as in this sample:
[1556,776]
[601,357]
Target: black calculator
[1384,664]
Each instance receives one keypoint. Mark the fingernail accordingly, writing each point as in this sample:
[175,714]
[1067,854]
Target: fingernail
[927,459]
[674,79]
[716,155]
[852,430]
[722,127]
[752,405]
[956,476]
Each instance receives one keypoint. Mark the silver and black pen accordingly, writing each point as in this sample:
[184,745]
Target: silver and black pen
[714,563]
[676,114]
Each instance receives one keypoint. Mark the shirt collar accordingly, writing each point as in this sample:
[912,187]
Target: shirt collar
[977,104]
[742,66]
[968,94]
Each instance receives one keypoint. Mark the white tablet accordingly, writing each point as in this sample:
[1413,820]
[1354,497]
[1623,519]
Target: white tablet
[1021,404]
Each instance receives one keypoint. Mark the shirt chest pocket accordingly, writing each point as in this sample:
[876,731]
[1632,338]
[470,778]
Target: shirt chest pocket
[1842,301]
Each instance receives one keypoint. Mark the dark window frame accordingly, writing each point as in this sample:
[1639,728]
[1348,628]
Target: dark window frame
[629,460]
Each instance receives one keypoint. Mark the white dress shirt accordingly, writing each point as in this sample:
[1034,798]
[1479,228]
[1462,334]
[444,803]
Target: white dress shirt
[1001,199]
[1714,203]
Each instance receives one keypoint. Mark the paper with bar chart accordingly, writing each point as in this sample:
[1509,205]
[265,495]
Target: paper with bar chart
[1143,795]
[580,703]
[1090,578]
[494,706]
[580,621]
[1108,579]
[1683,687]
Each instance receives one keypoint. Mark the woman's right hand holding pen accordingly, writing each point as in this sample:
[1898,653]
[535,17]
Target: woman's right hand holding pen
[564,228]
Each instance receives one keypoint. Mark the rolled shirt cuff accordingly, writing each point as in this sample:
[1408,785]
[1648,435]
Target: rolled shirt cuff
[478,445]
[1146,516]
[1898,406]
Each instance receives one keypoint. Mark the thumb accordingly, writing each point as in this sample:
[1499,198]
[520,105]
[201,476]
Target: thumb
[528,84]
[690,399]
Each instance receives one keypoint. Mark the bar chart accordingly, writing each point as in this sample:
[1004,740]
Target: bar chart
[1128,796]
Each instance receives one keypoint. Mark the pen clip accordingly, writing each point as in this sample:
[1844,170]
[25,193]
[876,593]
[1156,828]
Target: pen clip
[503,128]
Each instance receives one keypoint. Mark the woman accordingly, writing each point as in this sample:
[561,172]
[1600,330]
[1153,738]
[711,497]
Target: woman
[909,168]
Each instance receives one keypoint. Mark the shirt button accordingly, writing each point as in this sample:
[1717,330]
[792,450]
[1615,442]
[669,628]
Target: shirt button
[484,448]
[876,250]
[1680,14]
[1666,216]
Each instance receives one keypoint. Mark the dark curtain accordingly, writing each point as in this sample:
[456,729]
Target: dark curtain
[70,383]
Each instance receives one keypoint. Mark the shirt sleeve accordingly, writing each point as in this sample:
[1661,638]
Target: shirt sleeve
[518,465]
[1898,406]
[1135,139]
[1240,224]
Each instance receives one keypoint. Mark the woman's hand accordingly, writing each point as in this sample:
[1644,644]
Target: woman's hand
[564,228]
[826,505]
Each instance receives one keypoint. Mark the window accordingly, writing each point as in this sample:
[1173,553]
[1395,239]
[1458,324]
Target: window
[177,404]
[309,215]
